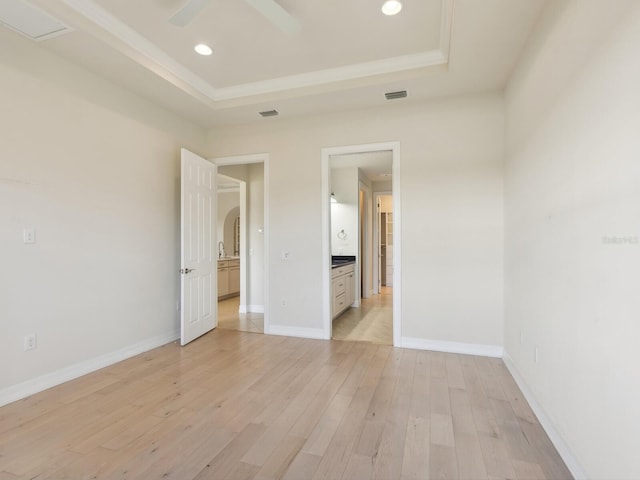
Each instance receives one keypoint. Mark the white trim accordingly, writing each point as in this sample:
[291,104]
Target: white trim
[151,56]
[446,28]
[364,255]
[251,309]
[244,261]
[452,347]
[397,246]
[561,446]
[38,384]
[244,160]
[325,153]
[301,332]
[332,75]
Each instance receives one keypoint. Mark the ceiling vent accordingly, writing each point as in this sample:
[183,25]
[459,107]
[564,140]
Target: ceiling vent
[269,113]
[394,95]
[30,21]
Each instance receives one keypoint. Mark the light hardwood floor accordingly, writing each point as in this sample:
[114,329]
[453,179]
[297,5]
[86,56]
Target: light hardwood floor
[371,322]
[230,319]
[235,405]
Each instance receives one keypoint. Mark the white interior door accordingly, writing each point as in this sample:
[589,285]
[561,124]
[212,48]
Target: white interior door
[198,272]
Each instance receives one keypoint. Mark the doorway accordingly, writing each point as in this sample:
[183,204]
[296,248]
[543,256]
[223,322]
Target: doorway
[352,176]
[242,242]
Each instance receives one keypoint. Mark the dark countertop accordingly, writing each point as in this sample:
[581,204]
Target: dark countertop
[342,260]
[341,264]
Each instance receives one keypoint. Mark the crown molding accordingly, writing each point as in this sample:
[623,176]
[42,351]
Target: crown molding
[129,42]
[333,75]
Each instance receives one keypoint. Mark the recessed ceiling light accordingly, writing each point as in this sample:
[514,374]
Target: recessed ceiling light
[391,7]
[203,49]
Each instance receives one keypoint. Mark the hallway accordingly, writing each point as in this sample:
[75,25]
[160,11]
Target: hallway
[230,319]
[371,322]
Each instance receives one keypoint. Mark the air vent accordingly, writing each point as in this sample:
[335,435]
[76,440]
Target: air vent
[394,95]
[30,21]
[269,113]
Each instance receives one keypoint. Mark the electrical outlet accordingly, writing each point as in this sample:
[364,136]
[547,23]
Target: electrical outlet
[284,255]
[30,341]
[283,302]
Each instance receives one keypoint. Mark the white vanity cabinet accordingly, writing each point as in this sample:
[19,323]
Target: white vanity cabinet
[228,277]
[342,289]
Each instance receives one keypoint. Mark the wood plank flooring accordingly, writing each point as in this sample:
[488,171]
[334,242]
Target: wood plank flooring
[230,319]
[235,405]
[371,322]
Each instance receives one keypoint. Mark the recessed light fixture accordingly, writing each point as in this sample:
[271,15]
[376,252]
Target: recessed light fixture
[391,7]
[203,49]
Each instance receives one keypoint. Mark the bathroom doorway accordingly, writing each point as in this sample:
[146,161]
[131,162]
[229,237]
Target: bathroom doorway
[242,200]
[354,176]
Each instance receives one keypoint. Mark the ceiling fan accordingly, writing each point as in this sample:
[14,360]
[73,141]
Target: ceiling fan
[268,8]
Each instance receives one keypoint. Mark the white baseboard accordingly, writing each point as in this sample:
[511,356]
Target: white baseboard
[30,387]
[317,333]
[452,347]
[563,448]
[251,309]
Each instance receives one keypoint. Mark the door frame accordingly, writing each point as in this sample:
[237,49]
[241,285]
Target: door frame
[365,240]
[242,195]
[376,240]
[325,191]
[247,160]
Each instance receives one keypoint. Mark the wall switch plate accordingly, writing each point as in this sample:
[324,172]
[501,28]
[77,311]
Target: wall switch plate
[30,341]
[29,235]
[284,255]
[536,354]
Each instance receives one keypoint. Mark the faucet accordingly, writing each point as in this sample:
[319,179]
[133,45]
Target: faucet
[221,249]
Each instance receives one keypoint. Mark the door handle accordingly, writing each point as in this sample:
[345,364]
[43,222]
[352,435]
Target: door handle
[186,270]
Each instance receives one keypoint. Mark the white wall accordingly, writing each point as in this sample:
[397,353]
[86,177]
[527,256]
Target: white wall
[255,188]
[95,170]
[572,190]
[451,187]
[344,212]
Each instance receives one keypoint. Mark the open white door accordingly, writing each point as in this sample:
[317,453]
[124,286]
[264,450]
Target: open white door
[198,272]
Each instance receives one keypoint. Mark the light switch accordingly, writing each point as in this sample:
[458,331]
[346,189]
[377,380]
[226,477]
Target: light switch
[29,235]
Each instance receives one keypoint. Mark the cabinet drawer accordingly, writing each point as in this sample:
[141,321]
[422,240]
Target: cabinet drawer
[339,286]
[338,271]
[339,303]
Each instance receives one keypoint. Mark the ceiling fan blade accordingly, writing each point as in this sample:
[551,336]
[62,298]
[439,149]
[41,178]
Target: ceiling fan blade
[186,14]
[276,15]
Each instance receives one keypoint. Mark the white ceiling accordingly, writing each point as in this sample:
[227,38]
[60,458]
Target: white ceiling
[346,54]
